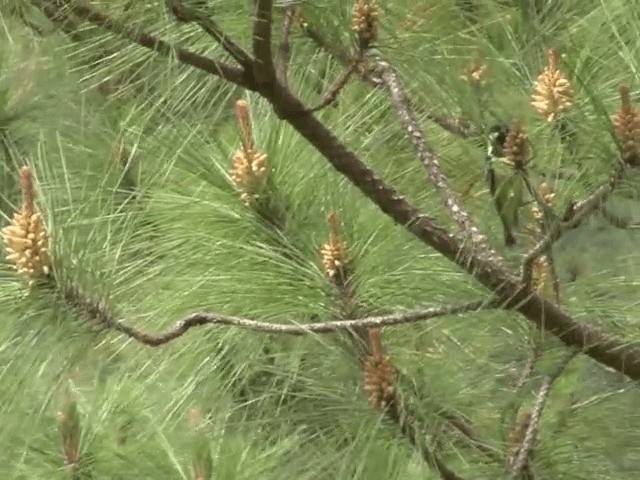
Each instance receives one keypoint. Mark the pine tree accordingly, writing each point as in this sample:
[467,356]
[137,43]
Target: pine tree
[254,240]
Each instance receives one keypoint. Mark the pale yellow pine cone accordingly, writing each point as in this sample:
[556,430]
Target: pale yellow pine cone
[27,244]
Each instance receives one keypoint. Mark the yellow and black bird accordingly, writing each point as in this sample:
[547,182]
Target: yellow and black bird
[506,188]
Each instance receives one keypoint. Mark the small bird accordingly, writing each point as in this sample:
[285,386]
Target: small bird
[506,189]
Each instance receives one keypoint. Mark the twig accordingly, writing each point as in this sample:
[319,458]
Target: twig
[567,134]
[555,279]
[62,20]
[264,69]
[340,55]
[349,308]
[576,215]
[333,93]
[615,220]
[201,62]
[212,28]
[284,48]
[451,125]
[397,413]
[510,412]
[456,421]
[466,430]
[520,458]
[20,13]
[100,313]
[454,126]
[368,342]
[427,156]
[534,355]
[596,399]
[545,208]
[548,219]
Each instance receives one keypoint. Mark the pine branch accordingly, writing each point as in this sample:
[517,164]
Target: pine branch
[339,266]
[486,268]
[451,125]
[401,102]
[572,219]
[211,27]
[464,427]
[510,412]
[380,377]
[335,90]
[397,413]
[219,69]
[614,219]
[316,37]
[284,47]
[548,219]
[61,20]
[263,68]
[99,312]
[522,455]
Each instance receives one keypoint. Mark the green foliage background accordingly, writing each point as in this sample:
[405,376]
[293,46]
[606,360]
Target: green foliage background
[169,235]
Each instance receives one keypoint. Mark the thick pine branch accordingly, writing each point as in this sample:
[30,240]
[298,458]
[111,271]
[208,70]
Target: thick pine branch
[264,70]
